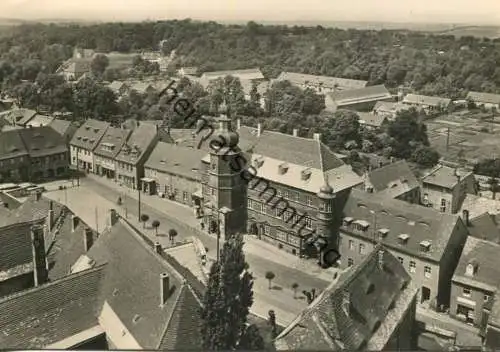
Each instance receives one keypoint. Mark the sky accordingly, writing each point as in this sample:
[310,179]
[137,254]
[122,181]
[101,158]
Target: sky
[423,11]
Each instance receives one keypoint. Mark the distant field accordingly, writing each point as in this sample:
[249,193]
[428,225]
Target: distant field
[475,31]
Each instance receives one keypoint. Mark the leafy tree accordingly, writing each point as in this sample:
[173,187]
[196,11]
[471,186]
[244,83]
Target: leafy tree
[425,156]
[156,225]
[407,133]
[92,100]
[488,167]
[227,302]
[172,234]
[270,276]
[342,129]
[230,90]
[272,322]
[144,219]
[494,186]
[295,286]
[99,64]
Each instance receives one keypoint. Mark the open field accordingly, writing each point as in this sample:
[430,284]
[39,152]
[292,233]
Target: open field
[469,138]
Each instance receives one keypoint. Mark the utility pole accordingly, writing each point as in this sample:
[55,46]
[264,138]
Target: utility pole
[96,220]
[447,138]
[139,203]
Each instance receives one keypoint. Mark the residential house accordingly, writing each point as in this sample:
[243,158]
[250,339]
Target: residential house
[426,242]
[362,99]
[107,149]
[252,74]
[321,84]
[65,128]
[484,226]
[142,88]
[73,69]
[477,205]
[372,122]
[151,56]
[14,158]
[486,100]
[372,307]
[123,294]
[389,109]
[189,71]
[176,173]
[395,180]
[492,330]
[445,188]
[428,104]
[80,53]
[119,88]
[48,153]
[476,281]
[83,143]
[133,155]
[18,117]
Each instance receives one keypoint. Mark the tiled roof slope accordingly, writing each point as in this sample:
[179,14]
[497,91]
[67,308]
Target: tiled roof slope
[175,159]
[484,254]
[137,144]
[401,218]
[323,81]
[63,127]
[41,141]
[378,295]
[11,145]
[480,97]
[426,100]
[131,289]
[89,134]
[15,247]
[38,317]
[484,227]
[115,137]
[351,96]
[444,176]
[392,174]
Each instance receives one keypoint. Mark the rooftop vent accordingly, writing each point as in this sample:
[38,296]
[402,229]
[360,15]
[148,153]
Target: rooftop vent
[13,149]
[162,161]
[136,318]
[87,128]
[283,168]
[383,232]
[471,268]
[403,238]
[425,246]
[411,223]
[96,130]
[348,221]
[115,292]
[305,175]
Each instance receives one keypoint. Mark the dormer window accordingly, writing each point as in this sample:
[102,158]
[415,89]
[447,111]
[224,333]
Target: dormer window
[305,174]
[361,225]
[425,246]
[87,128]
[471,268]
[96,130]
[383,232]
[403,238]
[283,168]
[348,221]
[258,162]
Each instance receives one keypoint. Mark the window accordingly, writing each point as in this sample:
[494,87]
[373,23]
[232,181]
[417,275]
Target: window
[279,192]
[443,206]
[184,196]
[280,235]
[277,212]
[309,201]
[413,266]
[427,271]
[361,248]
[308,222]
[286,195]
[426,199]
[486,298]
[401,260]
[296,196]
[328,207]
[212,191]
[351,245]
[294,240]
[267,230]
[350,262]
[466,292]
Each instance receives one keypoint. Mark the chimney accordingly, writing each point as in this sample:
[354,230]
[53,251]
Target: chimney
[40,270]
[50,216]
[88,238]
[164,287]
[37,195]
[346,302]
[158,248]
[74,222]
[113,217]
[317,136]
[295,132]
[381,259]
[465,217]
[238,124]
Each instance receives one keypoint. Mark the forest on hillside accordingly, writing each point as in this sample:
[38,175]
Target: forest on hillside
[429,64]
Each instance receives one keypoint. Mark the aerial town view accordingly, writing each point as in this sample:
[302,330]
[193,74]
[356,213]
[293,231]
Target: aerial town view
[263,176]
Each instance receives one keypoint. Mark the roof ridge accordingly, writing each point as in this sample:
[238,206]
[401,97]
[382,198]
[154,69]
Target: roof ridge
[323,331]
[53,283]
[172,311]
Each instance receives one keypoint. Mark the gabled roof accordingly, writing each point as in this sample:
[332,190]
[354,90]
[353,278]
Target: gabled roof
[354,96]
[40,120]
[483,255]
[136,146]
[77,66]
[245,74]
[141,87]
[395,175]
[18,116]
[480,97]
[63,127]
[323,81]
[370,119]
[445,176]
[114,138]
[426,100]
[11,145]
[400,218]
[177,160]
[89,134]
[41,141]
[362,310]
[484,227]
[39,317]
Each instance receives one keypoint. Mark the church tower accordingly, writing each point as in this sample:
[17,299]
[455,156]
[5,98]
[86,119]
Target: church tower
[227,198]
[327,241]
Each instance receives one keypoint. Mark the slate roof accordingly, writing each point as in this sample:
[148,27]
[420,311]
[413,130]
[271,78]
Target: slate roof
[389,107]
[379,296]
[400,218]
[63,127]
[444,176]
[113,137]
[370,119]
[141,138]
[396,177]
[40,120]
[484,254]
[89,134]
[18,116]
[77,66]
[480,97]
[38,317]
[484,227]
[41,141]
[354,96]
[245,74]
[177,160]
[323,81]
[11,145]
[426,100]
